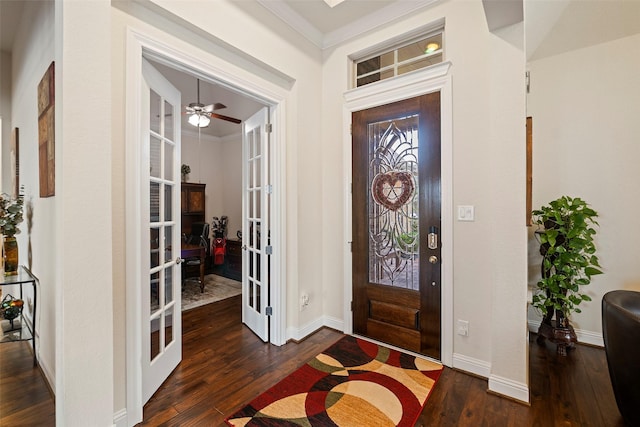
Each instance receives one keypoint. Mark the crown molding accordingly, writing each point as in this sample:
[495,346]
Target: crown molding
[294,20]
[367,23]
[374,20]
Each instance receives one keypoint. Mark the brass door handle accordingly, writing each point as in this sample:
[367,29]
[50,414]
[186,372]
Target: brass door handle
[433,259]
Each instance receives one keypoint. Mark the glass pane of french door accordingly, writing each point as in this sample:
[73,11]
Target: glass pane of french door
[255,278]
[161,336]
[162,189]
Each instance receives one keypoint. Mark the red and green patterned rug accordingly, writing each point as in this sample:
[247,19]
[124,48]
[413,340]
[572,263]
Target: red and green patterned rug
[352,383]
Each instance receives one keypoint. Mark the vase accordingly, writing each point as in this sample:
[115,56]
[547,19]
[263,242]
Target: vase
[10,256]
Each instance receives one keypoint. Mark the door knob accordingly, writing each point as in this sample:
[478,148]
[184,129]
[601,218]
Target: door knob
[243,247]
[433,259]
[178,260]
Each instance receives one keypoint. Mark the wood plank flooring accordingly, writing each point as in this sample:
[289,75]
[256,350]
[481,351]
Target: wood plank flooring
[25,399]
[225,365]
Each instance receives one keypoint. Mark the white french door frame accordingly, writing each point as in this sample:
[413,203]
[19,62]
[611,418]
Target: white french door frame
[433,79]
[191,59]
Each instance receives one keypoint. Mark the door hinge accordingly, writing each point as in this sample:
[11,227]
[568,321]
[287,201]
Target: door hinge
[268,249]
[527,78]
[351,305]
[269,188]
[268,311]
[268,128]
[351,129]
[350,246]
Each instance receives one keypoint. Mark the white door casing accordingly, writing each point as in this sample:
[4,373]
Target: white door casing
[256,190]
[189,58]
[432,79]
[161,338]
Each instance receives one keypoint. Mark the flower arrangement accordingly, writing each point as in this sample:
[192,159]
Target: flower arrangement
[185,169]
[11,214]
[219,226]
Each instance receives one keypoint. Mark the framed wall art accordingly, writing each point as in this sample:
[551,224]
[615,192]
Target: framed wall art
[46,132]
[15,162]
[529,170]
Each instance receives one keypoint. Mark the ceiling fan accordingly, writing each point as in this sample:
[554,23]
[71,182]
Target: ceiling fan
[200,115]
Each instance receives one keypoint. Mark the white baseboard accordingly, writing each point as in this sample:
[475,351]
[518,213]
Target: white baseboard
[120,418]
[47,375]
[585,337]
[471,365]
[334,323]
[298,334]
[506,387]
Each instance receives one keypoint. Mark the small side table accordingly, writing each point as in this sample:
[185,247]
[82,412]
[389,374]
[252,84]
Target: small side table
[22,330]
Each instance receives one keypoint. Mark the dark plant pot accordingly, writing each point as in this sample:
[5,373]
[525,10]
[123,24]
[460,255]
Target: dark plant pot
[563,336]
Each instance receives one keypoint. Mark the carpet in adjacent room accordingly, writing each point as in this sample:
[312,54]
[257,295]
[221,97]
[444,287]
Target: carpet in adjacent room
[216,288]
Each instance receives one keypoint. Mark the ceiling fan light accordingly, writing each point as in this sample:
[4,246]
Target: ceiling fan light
[198,120]
[432,47]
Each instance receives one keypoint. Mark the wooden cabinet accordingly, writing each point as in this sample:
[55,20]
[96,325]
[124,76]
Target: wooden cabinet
[192,202]
[233,264]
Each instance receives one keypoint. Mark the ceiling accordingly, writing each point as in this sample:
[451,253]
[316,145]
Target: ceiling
[551,26]
[10,13]
[238,106]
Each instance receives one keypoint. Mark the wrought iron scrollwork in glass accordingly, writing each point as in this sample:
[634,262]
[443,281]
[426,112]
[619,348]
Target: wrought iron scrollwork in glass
[393,202]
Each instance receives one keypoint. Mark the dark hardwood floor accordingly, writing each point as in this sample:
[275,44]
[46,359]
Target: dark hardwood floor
[25,399]
[225,365]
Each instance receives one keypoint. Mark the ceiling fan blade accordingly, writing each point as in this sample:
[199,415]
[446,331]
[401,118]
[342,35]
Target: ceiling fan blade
[208,108]
[218,106]
[227,118]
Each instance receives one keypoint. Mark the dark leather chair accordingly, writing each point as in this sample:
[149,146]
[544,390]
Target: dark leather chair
[199,236]
[621,331]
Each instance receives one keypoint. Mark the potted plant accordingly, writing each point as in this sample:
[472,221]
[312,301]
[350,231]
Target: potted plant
[566,232]
[10,216]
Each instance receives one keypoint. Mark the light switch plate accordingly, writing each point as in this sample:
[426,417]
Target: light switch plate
[466,213]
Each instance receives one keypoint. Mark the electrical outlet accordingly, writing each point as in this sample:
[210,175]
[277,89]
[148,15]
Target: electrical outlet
[463,328]
[304,301]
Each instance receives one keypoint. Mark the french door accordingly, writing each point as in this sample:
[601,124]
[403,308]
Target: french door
[256,243]
[160,206]
[396,224]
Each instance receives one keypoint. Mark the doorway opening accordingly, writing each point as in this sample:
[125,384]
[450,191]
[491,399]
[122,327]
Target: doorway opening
[272,99]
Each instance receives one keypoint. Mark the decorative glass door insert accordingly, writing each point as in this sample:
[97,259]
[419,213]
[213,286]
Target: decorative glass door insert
[393,203]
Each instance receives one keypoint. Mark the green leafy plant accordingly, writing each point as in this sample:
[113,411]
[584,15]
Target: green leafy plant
[10,214]
[185,169]
[568,256]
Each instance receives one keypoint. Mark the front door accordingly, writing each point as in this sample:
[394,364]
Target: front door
[396,224]
[255,229]
[160,206]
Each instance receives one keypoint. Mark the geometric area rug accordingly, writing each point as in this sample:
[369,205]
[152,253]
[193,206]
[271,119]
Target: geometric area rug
[352,383]
[216,288]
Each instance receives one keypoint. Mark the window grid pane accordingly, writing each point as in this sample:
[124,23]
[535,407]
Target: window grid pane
[399,60]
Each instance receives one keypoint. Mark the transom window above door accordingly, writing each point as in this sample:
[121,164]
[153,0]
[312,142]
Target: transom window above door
[410,55]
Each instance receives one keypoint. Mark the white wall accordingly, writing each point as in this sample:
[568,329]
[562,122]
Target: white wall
[488,120]
[68,246]
[231,182]
[83,202]
[33,52]
[217,162]
[585,111]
